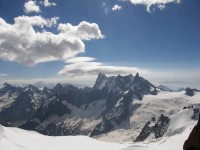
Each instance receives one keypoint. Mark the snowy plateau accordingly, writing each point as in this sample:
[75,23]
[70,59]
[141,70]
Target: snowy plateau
[117,113]
[17,139]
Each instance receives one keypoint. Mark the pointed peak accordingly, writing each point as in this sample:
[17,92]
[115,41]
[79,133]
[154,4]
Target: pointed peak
[100,75]
[45,88]
[130,75]
[100,81]
[31,86]
[59,85]
[137,75]
[6,84]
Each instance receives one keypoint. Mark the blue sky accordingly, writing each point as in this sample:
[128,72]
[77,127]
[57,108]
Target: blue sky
[161,41]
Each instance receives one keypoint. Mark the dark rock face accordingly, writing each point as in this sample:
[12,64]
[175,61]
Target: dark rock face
[192,143]
[60,129]
[46,91]
[147,129]
[188,107]
[5,122]
[161,126]
[157,127]
[190,92]
[30,125]
[154,92]
[118,114]
[21,109]
[53,107]
[100,81]
[104,127]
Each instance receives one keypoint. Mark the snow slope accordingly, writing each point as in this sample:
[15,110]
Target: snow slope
[17,139]
[168,103]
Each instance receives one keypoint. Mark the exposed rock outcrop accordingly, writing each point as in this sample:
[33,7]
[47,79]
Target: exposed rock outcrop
[157,127]
[193,141]
[190,92]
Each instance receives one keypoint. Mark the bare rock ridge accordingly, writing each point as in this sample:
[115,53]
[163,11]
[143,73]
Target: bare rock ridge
[157,127]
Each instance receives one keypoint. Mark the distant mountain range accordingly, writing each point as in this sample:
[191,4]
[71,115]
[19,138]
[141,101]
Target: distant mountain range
[94,111]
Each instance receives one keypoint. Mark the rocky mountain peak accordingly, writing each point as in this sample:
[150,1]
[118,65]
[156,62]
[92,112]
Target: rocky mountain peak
[100,81]
[59,85]
[157,126]
[137,77]
[8,88]
[6,84]
[32,88]
[190,92]
[101,75]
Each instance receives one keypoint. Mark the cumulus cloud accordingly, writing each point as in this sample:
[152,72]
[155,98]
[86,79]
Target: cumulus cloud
[116,8]
[93,68]
[84,30]
[31,6]
[150,3]
[48,4]
[27,42]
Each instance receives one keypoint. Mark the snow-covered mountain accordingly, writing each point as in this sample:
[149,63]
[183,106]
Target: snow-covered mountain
[90,111]
[18,104]
[129,106]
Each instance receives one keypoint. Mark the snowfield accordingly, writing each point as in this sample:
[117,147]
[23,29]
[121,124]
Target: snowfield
[168,103]
[18,139]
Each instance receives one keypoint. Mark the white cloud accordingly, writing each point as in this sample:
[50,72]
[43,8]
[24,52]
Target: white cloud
[84,30]
[3,75]
[80,59]
[150,3]
[93,68]
[23,42]
[48,4]
[31,6]
[116,8]
[161,6]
